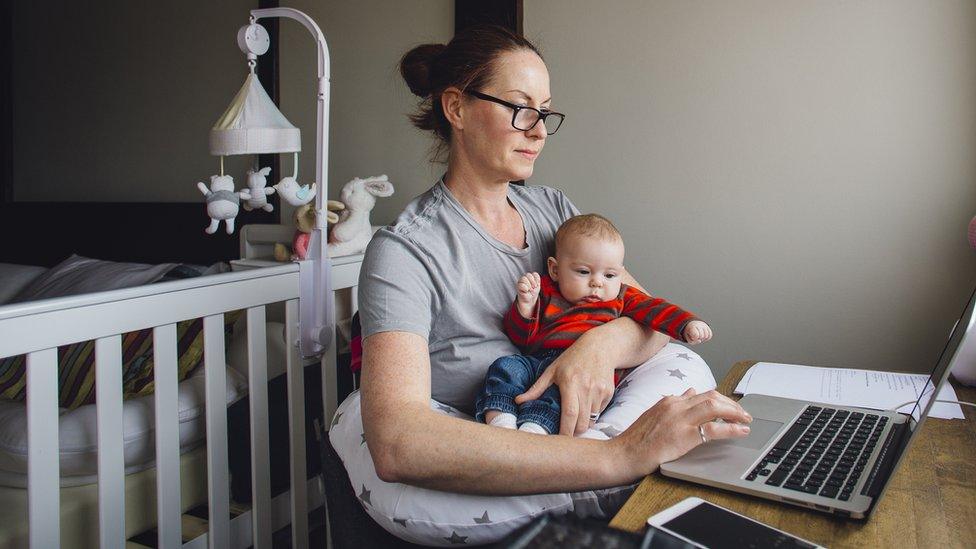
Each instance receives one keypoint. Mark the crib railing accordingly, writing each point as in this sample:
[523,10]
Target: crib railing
[38,328]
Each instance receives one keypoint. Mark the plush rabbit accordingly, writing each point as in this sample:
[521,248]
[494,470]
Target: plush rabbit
[305,223]
[222,202]
[353,231]
[257,192]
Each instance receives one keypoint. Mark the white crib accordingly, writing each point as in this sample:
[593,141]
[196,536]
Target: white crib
[38,328]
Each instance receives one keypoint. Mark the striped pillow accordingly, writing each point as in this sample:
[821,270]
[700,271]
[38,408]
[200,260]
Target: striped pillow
[76,371]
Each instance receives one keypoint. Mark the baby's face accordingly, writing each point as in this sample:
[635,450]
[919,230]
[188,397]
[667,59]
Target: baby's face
[588,269]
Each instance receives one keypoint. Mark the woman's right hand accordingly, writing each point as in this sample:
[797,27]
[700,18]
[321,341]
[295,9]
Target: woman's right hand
[669,429]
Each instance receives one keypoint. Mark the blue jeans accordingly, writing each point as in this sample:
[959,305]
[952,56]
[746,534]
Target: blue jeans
[510,376]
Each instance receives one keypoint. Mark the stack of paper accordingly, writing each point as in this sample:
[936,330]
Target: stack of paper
[846,387]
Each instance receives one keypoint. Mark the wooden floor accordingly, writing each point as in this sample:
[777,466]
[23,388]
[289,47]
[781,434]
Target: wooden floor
[195,524]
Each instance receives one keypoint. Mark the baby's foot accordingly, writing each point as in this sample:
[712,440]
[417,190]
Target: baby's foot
[531,427]
[504,420]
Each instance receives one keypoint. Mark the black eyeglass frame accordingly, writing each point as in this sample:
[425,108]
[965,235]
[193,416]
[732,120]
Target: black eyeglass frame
[543,115]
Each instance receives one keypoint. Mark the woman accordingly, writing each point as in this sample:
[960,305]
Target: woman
[433,289]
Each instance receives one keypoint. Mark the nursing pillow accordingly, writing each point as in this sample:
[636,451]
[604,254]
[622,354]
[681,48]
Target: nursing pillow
[433,517]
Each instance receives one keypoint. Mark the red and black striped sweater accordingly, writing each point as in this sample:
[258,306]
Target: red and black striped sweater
[558,323]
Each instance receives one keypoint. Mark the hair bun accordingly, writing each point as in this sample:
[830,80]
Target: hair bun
[415,67]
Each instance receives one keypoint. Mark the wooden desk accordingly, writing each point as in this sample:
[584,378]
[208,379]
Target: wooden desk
[930,503]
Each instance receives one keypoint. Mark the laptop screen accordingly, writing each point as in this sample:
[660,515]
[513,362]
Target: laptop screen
[961,336]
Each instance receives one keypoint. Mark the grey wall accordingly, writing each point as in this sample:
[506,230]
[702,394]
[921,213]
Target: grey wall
[799,173]
[369,130]
[113,100]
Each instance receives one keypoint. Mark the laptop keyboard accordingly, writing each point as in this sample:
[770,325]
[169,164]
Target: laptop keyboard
[824,452]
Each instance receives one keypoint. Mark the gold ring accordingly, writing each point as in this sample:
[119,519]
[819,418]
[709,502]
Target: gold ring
[701,431]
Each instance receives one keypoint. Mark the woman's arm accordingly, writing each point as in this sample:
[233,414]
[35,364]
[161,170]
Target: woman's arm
[584,371]
[413,444]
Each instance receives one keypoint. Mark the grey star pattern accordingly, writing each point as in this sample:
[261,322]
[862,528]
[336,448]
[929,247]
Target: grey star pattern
[612,404]
[684,356]
[335,420]
[677,373]
[401,522]
[483,520]
[364,496]
[455,539]
[363,435]
[443,408]
[623,384]
[609,431]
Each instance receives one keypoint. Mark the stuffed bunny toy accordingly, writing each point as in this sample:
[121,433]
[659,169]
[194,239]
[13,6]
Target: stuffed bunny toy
[257,192]
[353,231]
[222,202]
[305,223]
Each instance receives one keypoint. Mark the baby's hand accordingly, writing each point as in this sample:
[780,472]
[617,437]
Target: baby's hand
[697,332]
[528,293]
[528,288]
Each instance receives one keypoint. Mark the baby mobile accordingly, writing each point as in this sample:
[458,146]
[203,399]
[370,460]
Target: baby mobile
[253,125]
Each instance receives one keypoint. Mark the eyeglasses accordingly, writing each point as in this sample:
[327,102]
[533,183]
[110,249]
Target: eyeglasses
[525,118]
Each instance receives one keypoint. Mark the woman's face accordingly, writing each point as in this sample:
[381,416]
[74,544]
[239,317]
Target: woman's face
[490,141]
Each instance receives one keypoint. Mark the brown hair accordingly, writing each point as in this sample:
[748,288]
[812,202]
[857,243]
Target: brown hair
[465,62]
[592,225]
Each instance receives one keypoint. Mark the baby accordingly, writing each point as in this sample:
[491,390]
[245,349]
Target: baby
[583,290]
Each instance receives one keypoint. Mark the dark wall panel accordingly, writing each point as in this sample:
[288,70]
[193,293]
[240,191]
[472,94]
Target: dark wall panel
[506,13]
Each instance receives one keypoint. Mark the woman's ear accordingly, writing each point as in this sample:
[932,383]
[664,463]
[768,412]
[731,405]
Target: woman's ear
[451,101]
[552,264]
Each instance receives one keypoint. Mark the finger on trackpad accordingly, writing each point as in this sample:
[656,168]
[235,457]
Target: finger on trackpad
[760,431]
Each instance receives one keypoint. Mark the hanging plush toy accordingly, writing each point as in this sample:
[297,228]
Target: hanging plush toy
[222,202]
[257,192]
[251,125]
[293,193]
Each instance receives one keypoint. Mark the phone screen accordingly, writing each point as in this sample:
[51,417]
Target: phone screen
[717,528]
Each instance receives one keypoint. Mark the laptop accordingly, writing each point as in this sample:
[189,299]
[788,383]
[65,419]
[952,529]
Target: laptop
[835,459]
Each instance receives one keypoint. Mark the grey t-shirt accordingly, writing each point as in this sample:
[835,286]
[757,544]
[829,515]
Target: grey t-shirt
[437,273]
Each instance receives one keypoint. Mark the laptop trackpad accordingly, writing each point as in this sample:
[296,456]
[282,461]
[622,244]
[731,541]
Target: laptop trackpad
[760,431]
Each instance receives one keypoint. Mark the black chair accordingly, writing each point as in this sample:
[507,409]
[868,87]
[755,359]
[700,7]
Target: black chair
[350,526]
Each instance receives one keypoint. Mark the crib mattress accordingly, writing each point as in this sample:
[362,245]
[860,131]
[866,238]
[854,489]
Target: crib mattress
[79,505]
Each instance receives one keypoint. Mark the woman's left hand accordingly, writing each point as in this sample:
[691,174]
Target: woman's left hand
[585,381]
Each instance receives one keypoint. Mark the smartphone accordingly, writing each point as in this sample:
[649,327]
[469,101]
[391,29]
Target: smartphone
[707,525]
